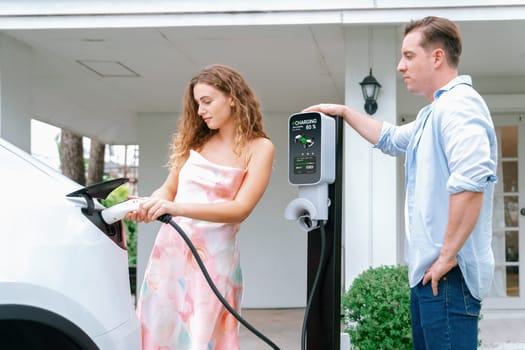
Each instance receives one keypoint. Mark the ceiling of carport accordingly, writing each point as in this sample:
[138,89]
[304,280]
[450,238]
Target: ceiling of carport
[289,67]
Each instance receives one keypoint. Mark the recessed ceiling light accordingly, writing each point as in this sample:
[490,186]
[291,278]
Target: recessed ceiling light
[108,69]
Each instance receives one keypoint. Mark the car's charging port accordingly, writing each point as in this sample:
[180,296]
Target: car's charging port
[92,210]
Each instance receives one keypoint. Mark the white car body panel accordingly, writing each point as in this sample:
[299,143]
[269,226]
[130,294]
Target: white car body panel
[53,258]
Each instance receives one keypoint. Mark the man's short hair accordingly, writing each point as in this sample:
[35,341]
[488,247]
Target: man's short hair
[439,31]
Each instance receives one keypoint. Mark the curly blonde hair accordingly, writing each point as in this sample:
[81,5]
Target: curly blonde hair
[192,131]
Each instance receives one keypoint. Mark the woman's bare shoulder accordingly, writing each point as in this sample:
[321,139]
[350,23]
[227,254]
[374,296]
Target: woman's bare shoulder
[262,149]
[260,144]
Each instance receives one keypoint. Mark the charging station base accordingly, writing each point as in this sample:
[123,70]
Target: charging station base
[324,325]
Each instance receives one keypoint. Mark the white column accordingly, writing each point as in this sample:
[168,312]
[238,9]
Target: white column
[15,92]
[371,213]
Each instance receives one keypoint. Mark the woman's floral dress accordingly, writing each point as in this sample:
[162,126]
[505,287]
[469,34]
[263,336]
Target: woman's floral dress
[176,307]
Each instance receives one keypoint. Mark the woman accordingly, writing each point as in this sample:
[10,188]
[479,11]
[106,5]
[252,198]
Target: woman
[220,166]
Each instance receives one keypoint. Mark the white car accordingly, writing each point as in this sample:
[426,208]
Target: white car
[64,280]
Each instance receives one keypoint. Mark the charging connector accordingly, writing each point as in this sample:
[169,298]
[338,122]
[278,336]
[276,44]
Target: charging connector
[118,211]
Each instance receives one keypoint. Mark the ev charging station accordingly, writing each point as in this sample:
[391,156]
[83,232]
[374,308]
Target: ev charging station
[315,166]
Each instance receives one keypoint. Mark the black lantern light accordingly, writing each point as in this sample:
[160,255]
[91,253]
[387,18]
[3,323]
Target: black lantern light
[370,87]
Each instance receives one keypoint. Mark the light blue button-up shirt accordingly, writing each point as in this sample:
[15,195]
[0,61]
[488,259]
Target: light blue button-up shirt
[451,147]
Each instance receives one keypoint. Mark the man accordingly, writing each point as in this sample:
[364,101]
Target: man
[450,171]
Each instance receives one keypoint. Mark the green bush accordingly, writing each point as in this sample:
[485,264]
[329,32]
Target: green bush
[376,309]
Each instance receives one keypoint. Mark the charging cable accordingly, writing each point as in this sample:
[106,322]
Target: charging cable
[167,219]
[315,285]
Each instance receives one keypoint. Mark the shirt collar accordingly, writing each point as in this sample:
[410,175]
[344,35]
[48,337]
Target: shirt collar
[462,79]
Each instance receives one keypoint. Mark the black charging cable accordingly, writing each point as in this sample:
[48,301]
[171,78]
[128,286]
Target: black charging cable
[315,285]
[167,219]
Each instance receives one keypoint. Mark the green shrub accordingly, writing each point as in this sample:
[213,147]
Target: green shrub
[376,309]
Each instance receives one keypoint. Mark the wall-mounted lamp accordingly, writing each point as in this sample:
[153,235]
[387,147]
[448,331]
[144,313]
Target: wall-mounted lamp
[370,87]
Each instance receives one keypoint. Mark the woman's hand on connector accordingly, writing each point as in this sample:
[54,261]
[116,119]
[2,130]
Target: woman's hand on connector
[152,208]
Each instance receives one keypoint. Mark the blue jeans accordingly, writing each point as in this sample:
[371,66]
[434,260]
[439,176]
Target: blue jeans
[446,321]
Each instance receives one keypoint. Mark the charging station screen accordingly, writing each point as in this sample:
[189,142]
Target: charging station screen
[304,148]
[304,165]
